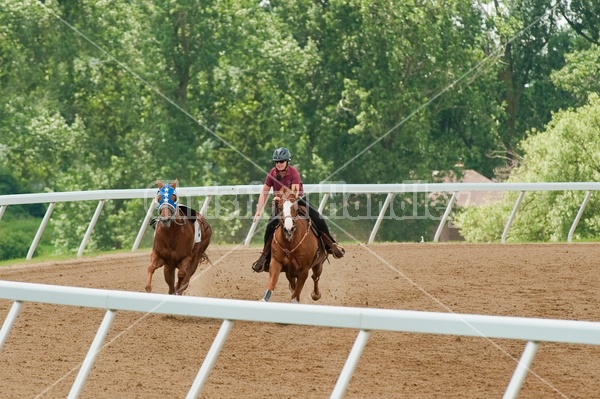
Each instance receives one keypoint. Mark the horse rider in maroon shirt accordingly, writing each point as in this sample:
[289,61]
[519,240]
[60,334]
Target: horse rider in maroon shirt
[281,176]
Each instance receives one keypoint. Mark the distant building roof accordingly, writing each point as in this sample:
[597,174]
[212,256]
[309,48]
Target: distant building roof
[473,198]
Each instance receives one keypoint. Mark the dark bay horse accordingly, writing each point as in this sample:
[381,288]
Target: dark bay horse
[176,243]
[295,249]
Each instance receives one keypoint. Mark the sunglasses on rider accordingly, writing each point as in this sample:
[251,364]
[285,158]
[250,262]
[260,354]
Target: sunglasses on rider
[281,161]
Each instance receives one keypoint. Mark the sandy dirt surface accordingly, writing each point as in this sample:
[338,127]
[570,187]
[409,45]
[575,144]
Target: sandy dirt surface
[158,356]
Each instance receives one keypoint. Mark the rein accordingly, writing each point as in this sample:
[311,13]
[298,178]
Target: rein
[173,217]
[184,221]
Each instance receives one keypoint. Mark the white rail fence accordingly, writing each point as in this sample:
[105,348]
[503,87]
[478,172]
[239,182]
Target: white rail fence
[365,320]
[325,190]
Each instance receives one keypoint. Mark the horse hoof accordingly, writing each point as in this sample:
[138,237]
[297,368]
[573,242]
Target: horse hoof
[315,297]
[262,300]
[294,300]
[267,296]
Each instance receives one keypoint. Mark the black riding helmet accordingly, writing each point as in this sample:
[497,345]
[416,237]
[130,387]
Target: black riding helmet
[282,154]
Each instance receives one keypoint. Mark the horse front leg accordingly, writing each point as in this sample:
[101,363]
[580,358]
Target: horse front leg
[316,274]
[170,278]
[292,281]
[155,263]
[300,280]
[183,275]
[274,272]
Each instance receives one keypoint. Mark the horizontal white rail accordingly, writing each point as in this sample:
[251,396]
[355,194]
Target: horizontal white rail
[532,330]
[522,328]
[254,189]
[326,190]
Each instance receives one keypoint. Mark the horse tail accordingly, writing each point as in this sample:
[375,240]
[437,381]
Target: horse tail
[206,230]
[204,258]
[205,227]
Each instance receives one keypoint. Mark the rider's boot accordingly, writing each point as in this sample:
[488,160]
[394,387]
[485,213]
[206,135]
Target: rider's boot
[332,247]
[262,264]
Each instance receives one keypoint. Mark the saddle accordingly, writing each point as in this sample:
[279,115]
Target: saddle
[188,213]
[302,211]
[325,242]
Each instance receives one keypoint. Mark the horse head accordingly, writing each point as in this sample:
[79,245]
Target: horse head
[287,209]
[167,202]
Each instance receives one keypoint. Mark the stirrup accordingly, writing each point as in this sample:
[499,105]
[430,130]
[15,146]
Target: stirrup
[258,266]
[336,251]
[261,264]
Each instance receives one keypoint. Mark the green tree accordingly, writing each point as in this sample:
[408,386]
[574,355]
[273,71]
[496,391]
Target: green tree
[393,103]
[584,17]
[117,94]
[581,75]
[565,152]
[534,43]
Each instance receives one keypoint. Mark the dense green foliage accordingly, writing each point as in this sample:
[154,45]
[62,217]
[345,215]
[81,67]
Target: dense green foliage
[16,234]
[566,151]
[116,94]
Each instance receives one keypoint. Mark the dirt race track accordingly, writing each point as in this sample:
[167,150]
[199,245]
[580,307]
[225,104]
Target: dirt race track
[158,356]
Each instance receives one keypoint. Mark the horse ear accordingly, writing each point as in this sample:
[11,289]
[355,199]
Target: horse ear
[175,183]
[160,184]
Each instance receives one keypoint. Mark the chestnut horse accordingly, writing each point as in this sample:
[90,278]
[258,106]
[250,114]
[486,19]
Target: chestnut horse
[180,240]
[295,249]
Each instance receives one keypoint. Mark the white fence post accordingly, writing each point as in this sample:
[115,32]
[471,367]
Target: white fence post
[10,321]
[144,225]
[351,363]
[578,217]
[255,225]
[384,208]
[521,371]
[512,217]
[92,354]
[444,218]
[205,205]
[211,358]
[88,233]
[40,231]
[323,202]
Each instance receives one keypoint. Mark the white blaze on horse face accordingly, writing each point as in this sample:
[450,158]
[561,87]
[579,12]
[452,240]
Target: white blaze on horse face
[288,223]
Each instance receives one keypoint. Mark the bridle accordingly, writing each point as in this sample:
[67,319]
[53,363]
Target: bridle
[167,198]
[284,210]
[289,233]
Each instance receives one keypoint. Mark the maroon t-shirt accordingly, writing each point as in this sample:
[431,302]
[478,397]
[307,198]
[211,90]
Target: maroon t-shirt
[292,176]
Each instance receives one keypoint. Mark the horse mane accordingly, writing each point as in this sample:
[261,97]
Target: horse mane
[302,211]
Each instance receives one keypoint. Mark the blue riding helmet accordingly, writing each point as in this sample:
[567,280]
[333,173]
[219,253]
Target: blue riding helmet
[282,154]
[165,193]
